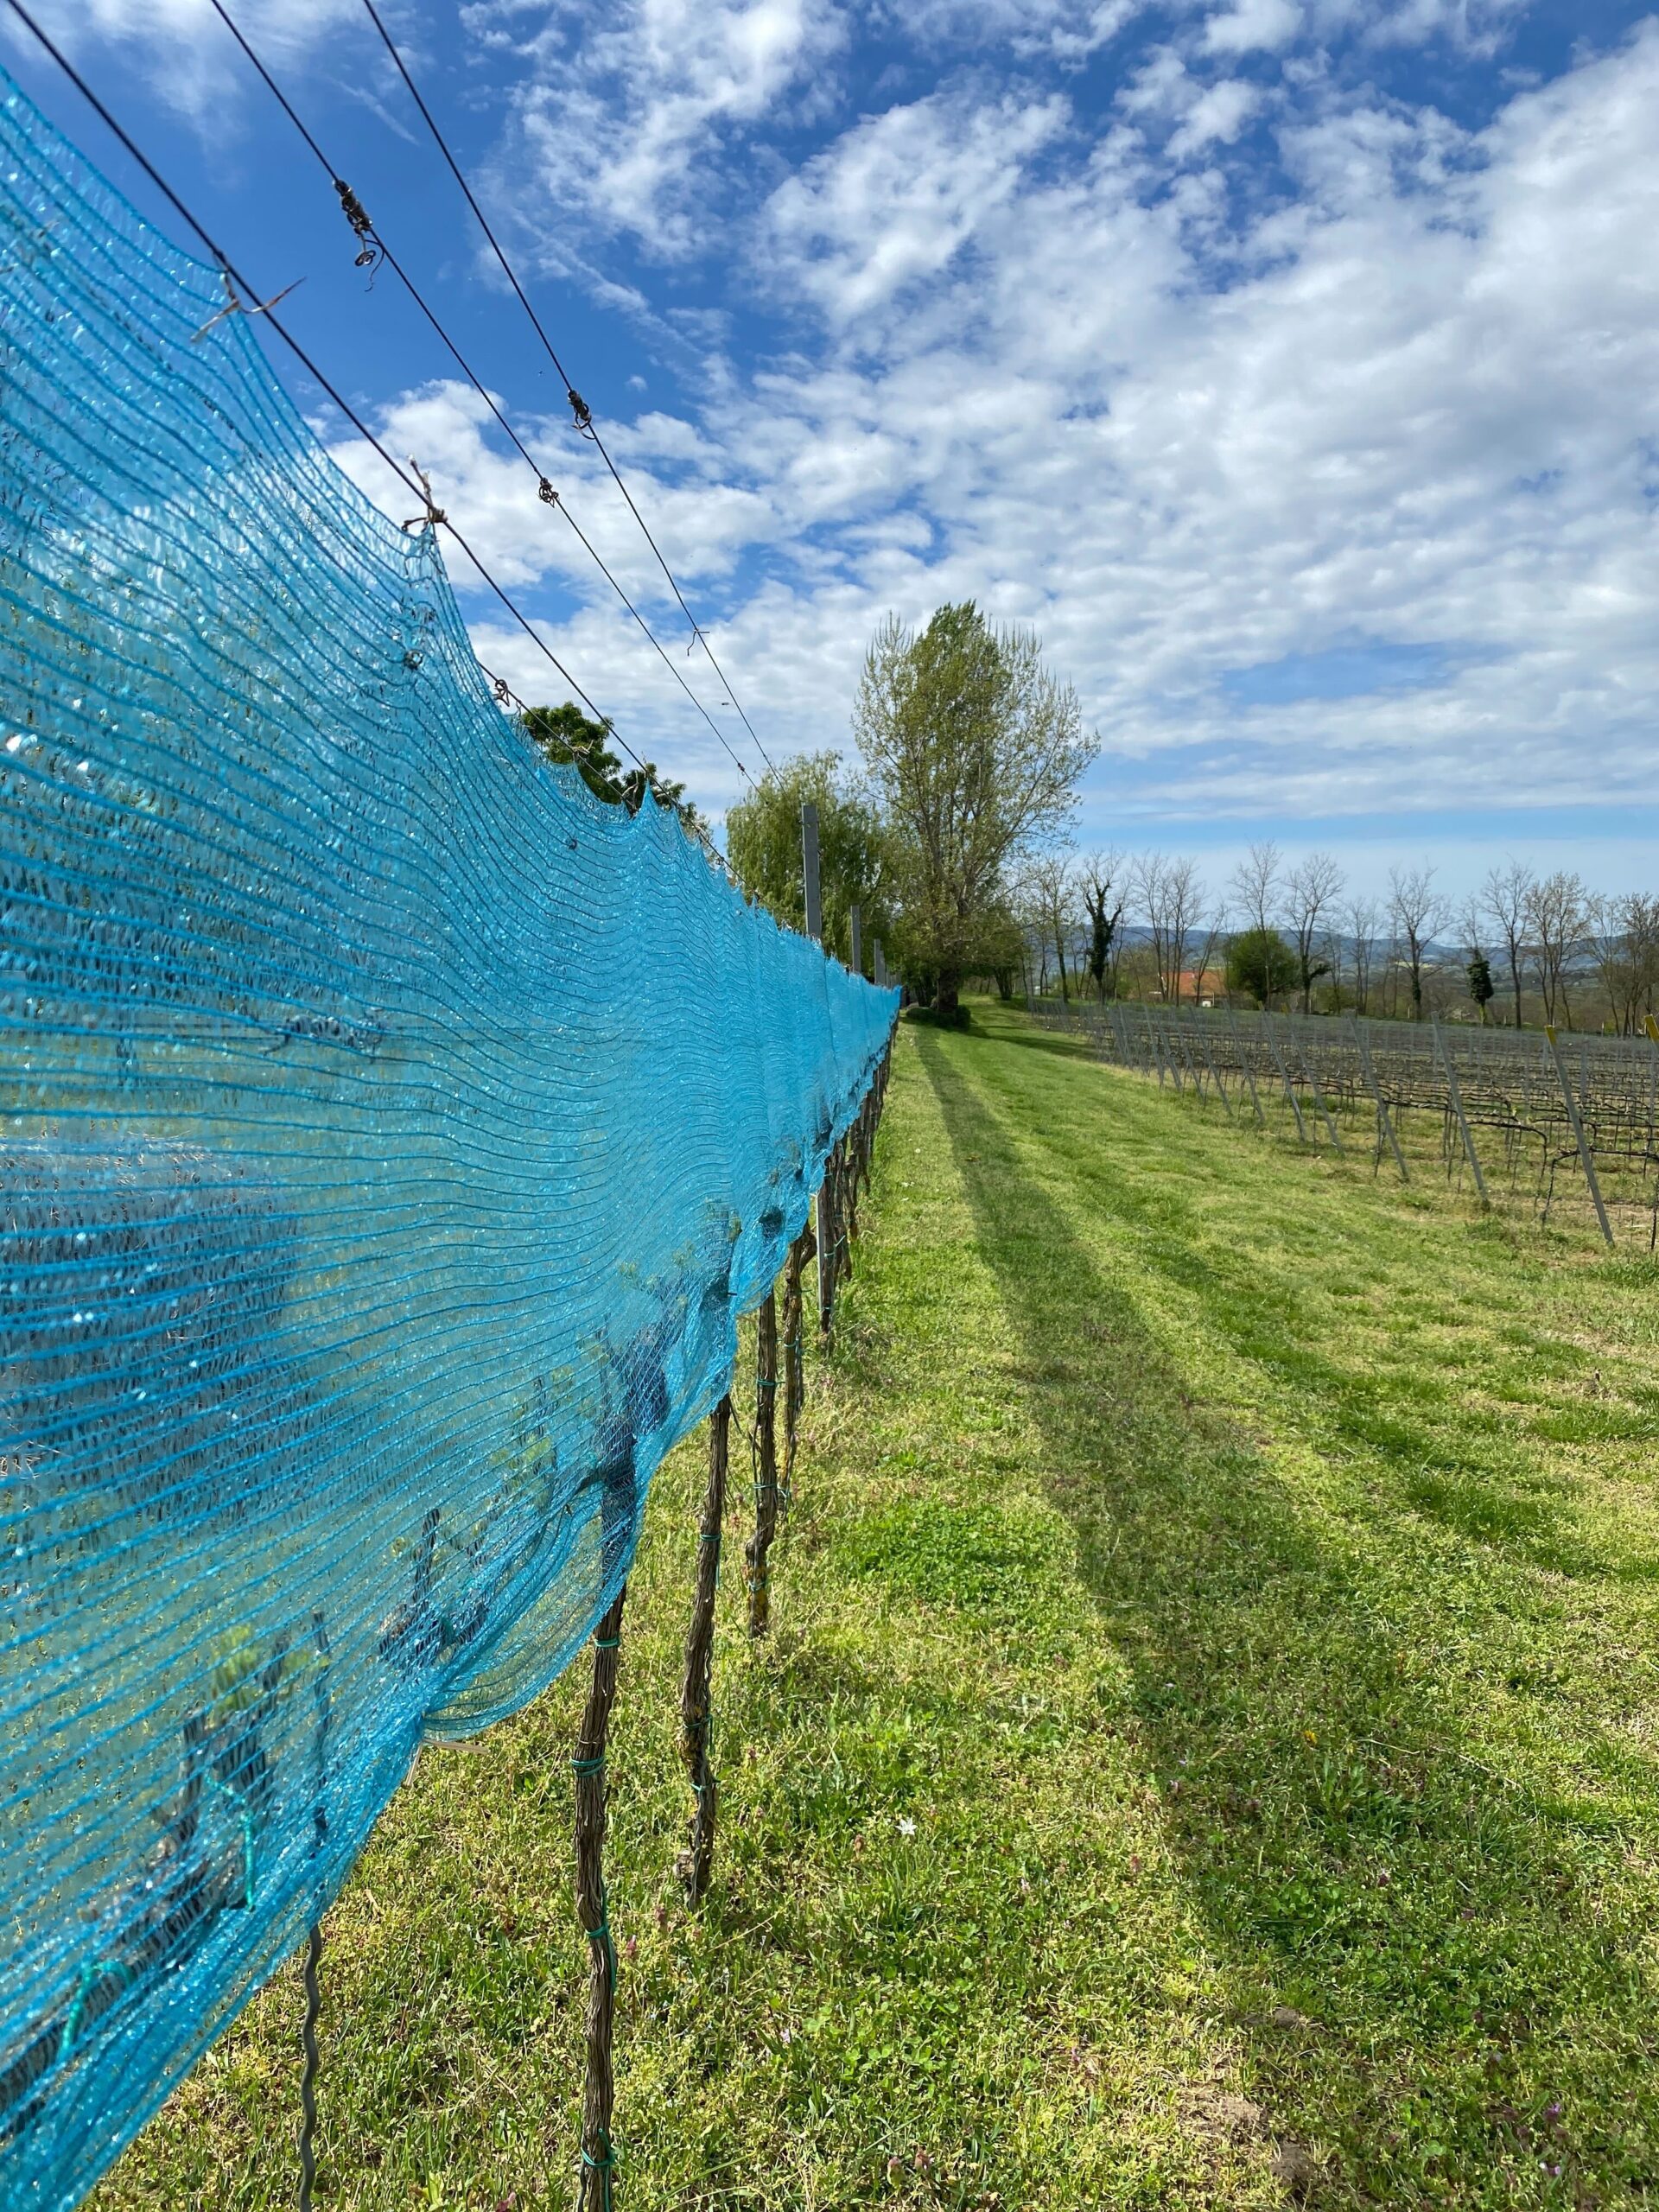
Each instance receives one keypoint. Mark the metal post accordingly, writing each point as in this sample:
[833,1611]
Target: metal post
[1166,1046]
[879,964]
[1244,1062]
[1177,1035]
[1319,1096]
[810,872]
[1470,1153]
[1154,1046]
[1284,1076]
[1385,1126]
[1577,1126]
[855,920]
[1215,1072]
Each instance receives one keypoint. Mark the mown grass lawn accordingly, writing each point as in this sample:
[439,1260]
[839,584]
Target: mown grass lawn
[1206,1756]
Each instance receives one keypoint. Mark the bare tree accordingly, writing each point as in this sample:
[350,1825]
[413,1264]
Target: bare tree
[1215,936]
[1313,887]
[1104,896]
[1558,917]
[1052,889]
[1505,894]
[1146,890]
[1183,898]
[1171,897]
[1334,953]
[1416,910]
[1626,945]
[1363,920]
[1254,884]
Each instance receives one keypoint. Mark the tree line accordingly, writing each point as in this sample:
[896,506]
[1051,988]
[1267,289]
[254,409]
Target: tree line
[1287,933]
[948,830]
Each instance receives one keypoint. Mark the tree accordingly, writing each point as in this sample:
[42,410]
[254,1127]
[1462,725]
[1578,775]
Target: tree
[1477,968]
[1416,910]
[1104,902]
[1214,938]
[763,843]
[1506,893]
[1557,918]
[974,750]
[1363,920]
[566,736]
[1050,890]
[1171,897]
[1260,965]
[1626,945]
[1255,885]
[1314,887]
[1002,952]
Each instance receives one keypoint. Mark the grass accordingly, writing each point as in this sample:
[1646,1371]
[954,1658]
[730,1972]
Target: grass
[1205,1758]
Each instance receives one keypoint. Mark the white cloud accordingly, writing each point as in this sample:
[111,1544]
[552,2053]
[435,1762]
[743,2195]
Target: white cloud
[651,91]
[1067,31]
[1250,25]
[1477,27]
[1219,112]
[1414,402]
[179,46]
[897,197]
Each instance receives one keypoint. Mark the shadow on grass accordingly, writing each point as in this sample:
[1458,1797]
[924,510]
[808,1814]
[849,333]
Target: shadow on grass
[1433,1981]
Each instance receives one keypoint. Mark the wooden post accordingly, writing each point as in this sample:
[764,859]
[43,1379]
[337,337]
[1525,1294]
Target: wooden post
[794,1364]
[766,1467]
[855,926]
[697,1688]
[593,2179]
[826,1239]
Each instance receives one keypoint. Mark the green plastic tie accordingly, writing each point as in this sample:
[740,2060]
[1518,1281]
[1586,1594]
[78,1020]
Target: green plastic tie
[602,2165]
[587,1766]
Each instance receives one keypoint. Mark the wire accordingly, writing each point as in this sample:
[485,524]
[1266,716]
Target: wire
[434,516]
[578,408]
[374,244]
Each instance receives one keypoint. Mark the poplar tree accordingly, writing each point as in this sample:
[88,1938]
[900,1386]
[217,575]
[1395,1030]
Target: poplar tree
[974,749]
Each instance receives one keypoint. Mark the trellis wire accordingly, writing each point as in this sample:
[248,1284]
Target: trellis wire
[1593,1109]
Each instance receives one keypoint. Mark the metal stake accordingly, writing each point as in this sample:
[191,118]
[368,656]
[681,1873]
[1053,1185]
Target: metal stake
[1456,1097]
[1583,1142]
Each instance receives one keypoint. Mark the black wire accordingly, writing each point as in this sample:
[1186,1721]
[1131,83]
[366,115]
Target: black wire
[372,232]
[312,371]
[579,407]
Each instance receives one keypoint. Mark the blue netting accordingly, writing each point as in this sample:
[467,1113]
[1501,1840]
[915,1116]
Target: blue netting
[391,1135]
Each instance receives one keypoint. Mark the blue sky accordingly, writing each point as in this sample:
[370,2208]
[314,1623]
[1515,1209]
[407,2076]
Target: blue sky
[1292,366]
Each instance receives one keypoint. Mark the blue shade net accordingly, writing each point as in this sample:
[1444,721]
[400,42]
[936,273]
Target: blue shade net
[391,1134]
